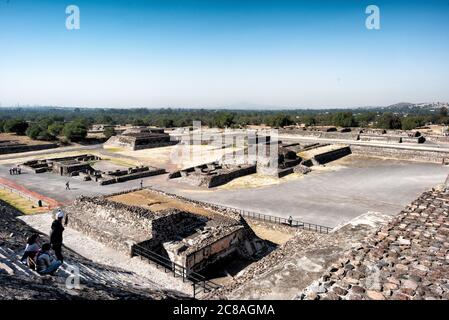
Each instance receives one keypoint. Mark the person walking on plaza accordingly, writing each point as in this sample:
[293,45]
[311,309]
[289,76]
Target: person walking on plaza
[67,185]
[141,184]
[56,235]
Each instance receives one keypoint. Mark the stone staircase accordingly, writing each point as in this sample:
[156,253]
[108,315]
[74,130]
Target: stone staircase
[89,272]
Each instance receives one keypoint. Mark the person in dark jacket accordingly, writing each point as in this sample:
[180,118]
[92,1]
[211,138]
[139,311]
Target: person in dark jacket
[56,235]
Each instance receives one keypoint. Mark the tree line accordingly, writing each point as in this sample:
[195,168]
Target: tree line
[72,124]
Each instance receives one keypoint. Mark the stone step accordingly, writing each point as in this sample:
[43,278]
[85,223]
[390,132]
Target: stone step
[111,277]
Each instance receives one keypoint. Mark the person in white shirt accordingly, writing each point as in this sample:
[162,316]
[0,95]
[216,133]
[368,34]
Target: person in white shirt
[31,249]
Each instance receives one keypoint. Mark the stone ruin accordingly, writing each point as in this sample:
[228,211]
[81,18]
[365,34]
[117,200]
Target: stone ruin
[138,138]
[287,161]
[81,166]
[189,239]
[361,134]
[280,164]
[213,174]
[14,146]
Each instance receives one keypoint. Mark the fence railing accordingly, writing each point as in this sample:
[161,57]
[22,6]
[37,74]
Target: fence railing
[24,195]
[200,285]
[279,220]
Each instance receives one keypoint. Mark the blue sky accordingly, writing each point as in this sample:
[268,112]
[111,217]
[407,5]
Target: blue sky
[183,53]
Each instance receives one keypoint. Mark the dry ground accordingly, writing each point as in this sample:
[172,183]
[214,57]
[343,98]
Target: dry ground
[176,157]
[24,205]
[278,237]
[20,139]
[158,202]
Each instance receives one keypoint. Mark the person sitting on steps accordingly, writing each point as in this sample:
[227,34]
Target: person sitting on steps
[45,262]
[31,250]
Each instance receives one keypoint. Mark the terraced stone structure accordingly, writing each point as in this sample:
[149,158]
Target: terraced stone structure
[13,146]
[187,238]
[139,138]
[367,135]
[81,166]
[213,174]
[407,258]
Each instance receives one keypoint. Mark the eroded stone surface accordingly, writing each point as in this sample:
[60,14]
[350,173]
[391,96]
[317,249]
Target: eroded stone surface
[407,258]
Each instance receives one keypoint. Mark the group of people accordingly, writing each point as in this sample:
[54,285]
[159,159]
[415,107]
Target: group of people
[41,259]
[15,170]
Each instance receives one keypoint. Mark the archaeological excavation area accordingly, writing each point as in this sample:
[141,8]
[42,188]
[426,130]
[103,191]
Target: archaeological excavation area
[305,215]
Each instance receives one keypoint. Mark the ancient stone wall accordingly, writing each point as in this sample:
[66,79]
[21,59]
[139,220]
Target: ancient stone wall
[110,179]
[218,249]
[400,153]
[321,134]
[380,138]
[26,148]
[114,224]
[333,155]
[212,174]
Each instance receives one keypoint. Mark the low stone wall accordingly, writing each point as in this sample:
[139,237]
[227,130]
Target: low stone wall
[321,134]
[380,138]
[132,176]
[436,138]
[400,153]
[27,148]
[195,176]
[114,224]
[333,155]
[226,177]
[220,248]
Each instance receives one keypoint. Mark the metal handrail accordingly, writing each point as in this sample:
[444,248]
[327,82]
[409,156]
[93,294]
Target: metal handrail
[198,281]
[279,220]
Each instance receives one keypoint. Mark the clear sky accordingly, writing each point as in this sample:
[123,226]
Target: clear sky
[223,53]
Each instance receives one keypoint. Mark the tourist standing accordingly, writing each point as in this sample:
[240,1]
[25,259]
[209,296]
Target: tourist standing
[56,235]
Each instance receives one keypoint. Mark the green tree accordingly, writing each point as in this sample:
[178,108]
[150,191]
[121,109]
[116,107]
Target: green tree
[138,122]
[343,119]
[308,120]
[55,129]
[365,118]
[389,120]
[15,126]
[224,120]
[109,132]
[33,131]
[409,123]
[74,131]
[280,120]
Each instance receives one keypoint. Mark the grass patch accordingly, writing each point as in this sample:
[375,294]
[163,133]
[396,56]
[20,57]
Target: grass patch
[122,162]
[22,204]
[113,149]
